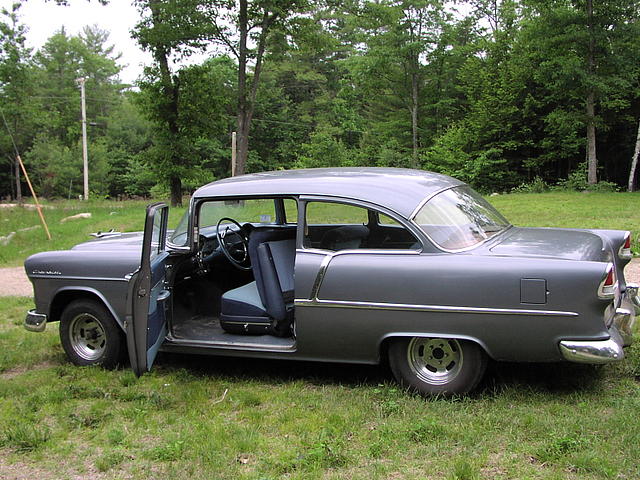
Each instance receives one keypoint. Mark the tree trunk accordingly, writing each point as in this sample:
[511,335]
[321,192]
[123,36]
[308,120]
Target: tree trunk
[176,191]
[634,161]
[243,118]
[414,120]
[18,186]
[246,96]
[170,93]
[592,160]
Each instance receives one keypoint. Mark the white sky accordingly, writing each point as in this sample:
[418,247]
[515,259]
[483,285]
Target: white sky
[118,17]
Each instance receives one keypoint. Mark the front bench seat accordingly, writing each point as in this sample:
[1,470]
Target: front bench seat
[265,305]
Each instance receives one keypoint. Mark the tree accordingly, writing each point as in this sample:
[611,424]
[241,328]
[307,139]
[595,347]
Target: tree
[16,76]
[234,29]
[401,36]
[171,29]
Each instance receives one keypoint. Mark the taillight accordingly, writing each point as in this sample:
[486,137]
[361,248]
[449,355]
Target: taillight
[607,288]
[625,250]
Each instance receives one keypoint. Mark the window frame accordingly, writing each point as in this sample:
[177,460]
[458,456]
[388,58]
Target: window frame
[304,200]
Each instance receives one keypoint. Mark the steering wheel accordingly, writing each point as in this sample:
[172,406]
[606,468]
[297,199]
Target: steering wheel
[237,252]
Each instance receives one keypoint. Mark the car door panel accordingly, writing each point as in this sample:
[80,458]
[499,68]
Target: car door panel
[149,296]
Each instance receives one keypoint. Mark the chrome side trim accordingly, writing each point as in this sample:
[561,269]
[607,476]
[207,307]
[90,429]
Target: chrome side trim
[320,276]
[35,322]
[428,308]
[594,351]
[71,277]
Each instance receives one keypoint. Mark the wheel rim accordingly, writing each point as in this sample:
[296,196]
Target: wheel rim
[435,360]
[88,337]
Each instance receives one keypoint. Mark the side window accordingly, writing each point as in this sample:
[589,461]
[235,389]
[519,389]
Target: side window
[339,226]
[156,241]
[290,210]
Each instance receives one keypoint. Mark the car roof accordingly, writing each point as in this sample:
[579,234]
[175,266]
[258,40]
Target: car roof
[399,189]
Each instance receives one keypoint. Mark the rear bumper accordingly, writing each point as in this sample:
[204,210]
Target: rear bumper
[594,351]
[35,322]
[621,335]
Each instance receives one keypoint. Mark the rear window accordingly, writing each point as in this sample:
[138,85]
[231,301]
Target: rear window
[459,218]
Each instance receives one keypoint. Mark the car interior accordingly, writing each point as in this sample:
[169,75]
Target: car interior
[239,287]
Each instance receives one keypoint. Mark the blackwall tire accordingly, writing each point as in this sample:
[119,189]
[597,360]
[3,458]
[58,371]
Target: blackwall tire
[437,366]
[90,335]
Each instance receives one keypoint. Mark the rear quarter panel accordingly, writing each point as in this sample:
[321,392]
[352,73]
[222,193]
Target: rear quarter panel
[457,295]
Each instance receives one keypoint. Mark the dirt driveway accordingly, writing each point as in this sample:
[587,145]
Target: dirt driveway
[13,281]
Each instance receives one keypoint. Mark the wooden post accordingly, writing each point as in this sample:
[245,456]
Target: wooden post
[233,154]
[18,186]
[26,176]
[85,161]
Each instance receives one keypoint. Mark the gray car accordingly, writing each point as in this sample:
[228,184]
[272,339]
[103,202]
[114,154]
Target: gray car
[342,265]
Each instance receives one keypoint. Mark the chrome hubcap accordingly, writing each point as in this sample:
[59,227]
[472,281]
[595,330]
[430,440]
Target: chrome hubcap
[435,360]
[88,337]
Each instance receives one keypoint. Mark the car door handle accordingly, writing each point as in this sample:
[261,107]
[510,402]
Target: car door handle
[163,295]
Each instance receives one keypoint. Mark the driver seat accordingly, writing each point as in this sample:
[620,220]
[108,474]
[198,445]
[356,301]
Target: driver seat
[264,306]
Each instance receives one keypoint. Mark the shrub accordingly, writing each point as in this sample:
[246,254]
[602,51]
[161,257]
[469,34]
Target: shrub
[538,185]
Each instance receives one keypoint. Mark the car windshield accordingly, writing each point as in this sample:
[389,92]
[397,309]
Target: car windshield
[459,218]
[256,211]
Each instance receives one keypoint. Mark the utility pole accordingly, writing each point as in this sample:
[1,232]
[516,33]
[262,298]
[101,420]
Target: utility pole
[85,159]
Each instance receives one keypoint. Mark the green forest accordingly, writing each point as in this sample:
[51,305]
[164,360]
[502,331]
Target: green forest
[507,95]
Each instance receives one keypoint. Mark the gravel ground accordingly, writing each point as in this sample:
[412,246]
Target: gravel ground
[13,281]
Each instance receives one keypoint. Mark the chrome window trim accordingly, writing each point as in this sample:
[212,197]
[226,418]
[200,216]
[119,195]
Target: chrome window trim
[315,302]
[427,198]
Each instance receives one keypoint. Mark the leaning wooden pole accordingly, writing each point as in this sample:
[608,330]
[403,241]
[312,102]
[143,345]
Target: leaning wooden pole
[35,197]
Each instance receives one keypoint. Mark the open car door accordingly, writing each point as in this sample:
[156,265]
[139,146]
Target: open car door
[148,294]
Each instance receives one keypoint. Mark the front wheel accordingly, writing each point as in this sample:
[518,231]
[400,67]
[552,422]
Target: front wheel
[437,366]
[90,335]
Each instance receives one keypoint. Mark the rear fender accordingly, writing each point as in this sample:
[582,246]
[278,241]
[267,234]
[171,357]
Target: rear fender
[384,341]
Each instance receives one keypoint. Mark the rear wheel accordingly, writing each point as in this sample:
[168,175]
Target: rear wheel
[90,335]
[437,366]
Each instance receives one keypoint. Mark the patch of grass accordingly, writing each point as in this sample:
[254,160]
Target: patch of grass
[24,437]
[121,216]
[606,210]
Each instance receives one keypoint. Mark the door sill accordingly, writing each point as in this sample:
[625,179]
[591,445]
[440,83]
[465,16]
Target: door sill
[261,343]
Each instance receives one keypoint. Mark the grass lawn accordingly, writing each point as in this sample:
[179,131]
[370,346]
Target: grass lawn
[121,216]
[207,417]
[223,418]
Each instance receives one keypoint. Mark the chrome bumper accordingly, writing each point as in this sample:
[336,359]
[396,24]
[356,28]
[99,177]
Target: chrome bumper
[35,322]
[621,334]
[594,351]
[627,313]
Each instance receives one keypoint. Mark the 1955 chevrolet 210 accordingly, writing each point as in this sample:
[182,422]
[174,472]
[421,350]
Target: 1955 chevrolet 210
[342,265]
